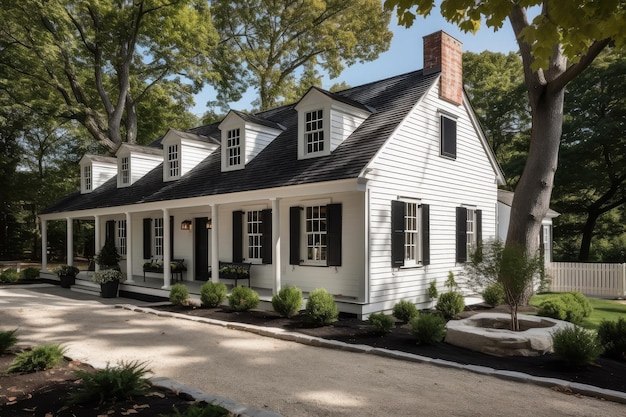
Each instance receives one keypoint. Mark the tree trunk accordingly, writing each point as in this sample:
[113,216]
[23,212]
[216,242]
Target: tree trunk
[590,224]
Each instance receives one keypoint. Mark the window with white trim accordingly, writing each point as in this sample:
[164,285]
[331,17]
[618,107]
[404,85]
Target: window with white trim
[315,234]
[120,237]
[254,231]
[470,231]
[173,160]
[412,252]
[314,131]
[233,147]
[158,236]
[87,177]
[125,170]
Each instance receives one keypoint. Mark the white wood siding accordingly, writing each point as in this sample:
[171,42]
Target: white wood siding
[410,165]
[192,153]
[141,164]
[256,138]
[101,173]
[343,122]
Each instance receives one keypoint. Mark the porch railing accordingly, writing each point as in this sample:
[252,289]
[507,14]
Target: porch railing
[592,279]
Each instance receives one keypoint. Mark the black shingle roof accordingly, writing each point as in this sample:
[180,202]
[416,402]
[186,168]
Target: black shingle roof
[277,165]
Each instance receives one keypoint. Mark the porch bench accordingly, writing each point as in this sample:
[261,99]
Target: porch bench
[177,267]
[235,271]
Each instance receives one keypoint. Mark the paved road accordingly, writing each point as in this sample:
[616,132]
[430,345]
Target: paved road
[264,373]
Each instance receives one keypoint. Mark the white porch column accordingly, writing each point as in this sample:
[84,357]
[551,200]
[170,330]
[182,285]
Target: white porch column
[167,258]
[215,253]
[96,238]
[276,266]
[70,241]
[129,249]
[44,246]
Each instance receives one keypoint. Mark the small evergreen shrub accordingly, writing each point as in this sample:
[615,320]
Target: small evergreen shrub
[554,308]
[432,290]
[583,302]
[9,275]
[320,308]
[574,312]
[243,298]
[576,345]
[382,322]
[572,307]
[404,311]
[212,294]
[450,304]
[123,382]
[7,339]
[288,301]
[179,294]
[202,410]
[612,335]
[494,294]
[428,328]
[30,273]
[39,359]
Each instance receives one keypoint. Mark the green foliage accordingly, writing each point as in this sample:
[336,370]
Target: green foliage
[382,322]
[109,257]
[554,308]
[582,301]
[7,339]
[288,301]
[428,328]
[201,410]
[106,275]
[30,273]
[39,359]
[9,275]
[179,294]
[451,282]
[126,381]
[433,293]
[450,304]
[405,310]
[572,307]
[602,309]
[243,298]
[320,308]
[612,335]
[494,294]
[576,345]
[212,294]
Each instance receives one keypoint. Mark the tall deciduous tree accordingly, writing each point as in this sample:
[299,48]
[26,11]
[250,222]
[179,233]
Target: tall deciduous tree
[277,38]
[557,45]
[94,61]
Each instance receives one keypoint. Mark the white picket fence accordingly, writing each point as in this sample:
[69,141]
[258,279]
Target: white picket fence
[591,279]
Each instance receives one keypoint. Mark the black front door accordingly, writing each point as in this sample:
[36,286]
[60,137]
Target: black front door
[201,237]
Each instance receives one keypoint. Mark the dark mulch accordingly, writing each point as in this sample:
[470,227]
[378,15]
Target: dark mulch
[605,373]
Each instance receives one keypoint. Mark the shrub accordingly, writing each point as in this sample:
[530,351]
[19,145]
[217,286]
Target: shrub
[576,345]
[106,275]
[243,298]
[9,275]
[212,294]
[179,294]
[111,383]
[574,312]
[321,308]
[612,335]
[30,273]
[554,308]
[572,307]
[405,311]
[428,328]
[494,294]
[39,359]
[583,302]
[382,322]
[450,304]
[7,339]
[288,301]
[205,410]
[432,290]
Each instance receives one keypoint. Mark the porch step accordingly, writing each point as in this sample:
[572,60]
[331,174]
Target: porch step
[86,287]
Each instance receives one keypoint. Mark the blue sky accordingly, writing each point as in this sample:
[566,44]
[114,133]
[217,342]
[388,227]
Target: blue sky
[404,55]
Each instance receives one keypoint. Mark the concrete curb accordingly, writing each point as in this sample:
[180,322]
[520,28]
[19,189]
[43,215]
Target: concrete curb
[556,384]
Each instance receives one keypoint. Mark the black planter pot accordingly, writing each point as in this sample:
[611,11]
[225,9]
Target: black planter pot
[109,289]
[67,280]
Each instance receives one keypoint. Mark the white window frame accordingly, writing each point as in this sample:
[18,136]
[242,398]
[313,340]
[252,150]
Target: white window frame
[120,237]
[470,231]
[314,132]
[314,233]
[125,170]
[87,177]
[412,233]
[173,160]
[158,236]
[234,149]
[253,242]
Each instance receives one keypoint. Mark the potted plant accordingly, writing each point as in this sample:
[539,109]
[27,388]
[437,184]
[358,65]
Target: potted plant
[108,258]
[67,275]
[109,280]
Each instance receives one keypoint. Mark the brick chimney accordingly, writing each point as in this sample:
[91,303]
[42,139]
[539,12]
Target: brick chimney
[443,53]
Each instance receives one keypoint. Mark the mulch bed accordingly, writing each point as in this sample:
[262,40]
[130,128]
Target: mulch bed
[604,373]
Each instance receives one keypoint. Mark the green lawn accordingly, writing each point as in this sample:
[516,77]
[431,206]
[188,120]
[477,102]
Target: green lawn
[602,310]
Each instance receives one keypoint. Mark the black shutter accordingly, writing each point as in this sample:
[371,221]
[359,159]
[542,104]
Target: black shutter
[479,231]
[294,235]
[333,234]
[147,238]
[425,234]
[461,234]
[237,236]
[171,237]
[266,237]
[448,137]
[397,233]
[109,232]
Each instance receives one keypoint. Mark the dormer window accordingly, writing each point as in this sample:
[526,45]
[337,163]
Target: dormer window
[314,131]
[233,147]
[125,170]
[173,161]
[87,178]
